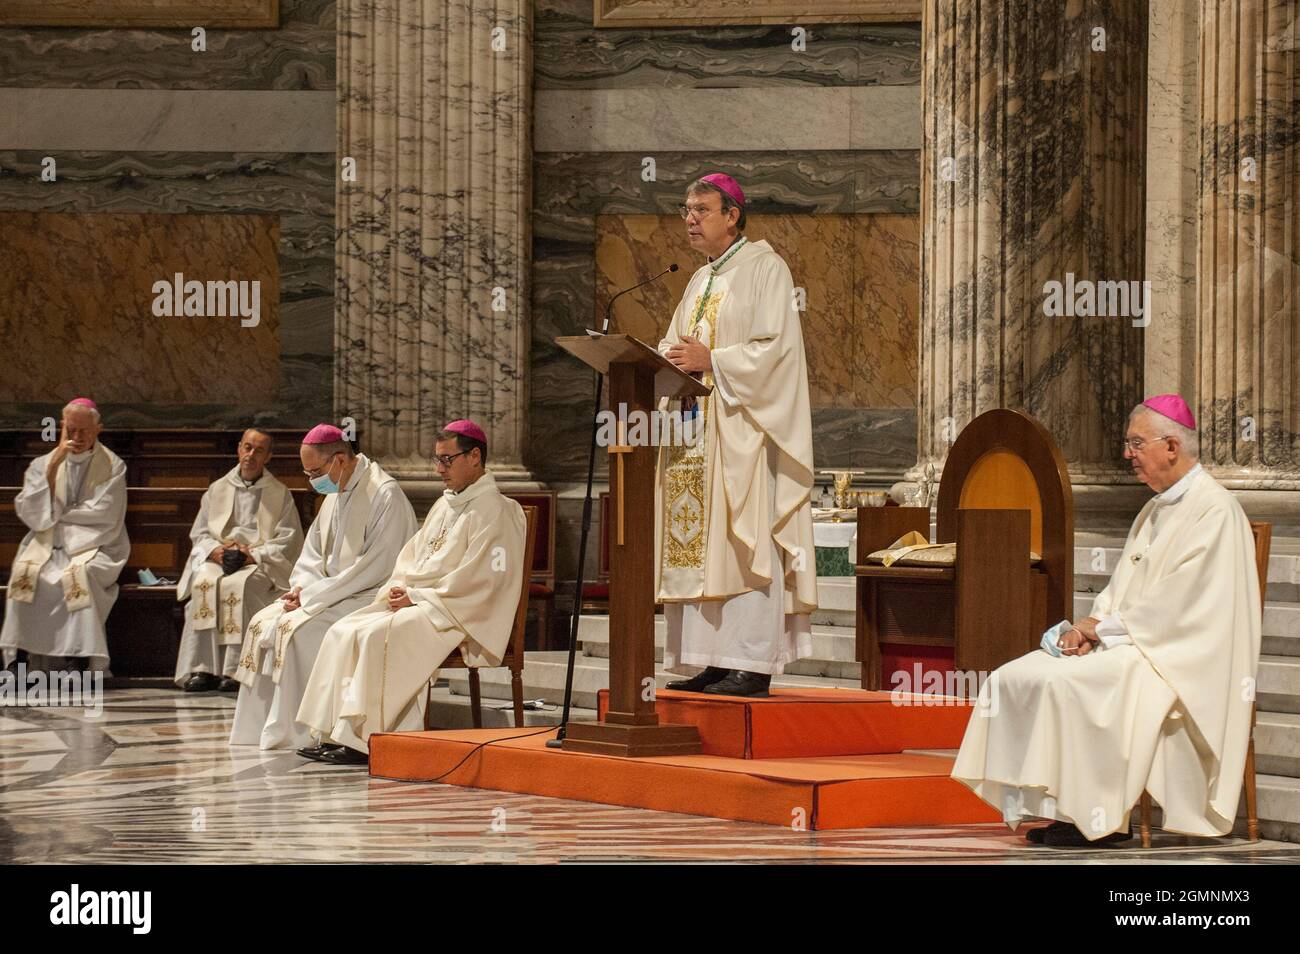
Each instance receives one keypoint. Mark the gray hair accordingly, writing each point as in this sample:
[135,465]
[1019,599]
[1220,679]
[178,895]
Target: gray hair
[1187,439]
[94,412]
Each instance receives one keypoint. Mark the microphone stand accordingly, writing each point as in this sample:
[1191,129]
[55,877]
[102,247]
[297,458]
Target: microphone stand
[580,582]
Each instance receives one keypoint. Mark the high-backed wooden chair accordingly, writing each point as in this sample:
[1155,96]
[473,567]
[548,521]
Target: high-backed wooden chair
[541,589]
[1005,493]
[514,655]
[1263,533]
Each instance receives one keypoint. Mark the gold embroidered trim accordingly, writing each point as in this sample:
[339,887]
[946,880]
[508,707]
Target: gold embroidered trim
[686,520]
[204,611]
[231,602]
[24,583]
[254,632]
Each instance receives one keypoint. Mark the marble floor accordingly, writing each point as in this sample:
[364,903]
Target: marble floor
[151,779]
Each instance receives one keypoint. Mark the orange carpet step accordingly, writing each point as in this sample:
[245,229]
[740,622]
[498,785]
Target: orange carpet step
[817,793]
[805,723]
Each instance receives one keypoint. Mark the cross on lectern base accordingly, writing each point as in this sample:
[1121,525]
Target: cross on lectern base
[638,376]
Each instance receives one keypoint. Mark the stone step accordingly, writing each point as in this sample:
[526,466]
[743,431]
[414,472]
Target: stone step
[1279,807]
[1277,743]
[450,711]
[544,674]
[1278,687]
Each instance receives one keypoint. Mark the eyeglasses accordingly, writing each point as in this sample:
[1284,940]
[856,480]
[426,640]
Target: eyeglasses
[446,459]
[1135,444]
[323,467]
[699,211]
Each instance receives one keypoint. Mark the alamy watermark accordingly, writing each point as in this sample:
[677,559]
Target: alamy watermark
[637,428]
[922,686]
[1088,299]
[61,688]
[213,299]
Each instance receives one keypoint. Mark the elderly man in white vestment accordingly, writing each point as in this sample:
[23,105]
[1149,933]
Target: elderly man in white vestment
[734,545]
[246,538]
[1154,689]
[64,578]
[457,583]
[348,553]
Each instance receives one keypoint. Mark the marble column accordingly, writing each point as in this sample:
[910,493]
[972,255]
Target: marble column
[1032,168]
[432,250]
[1249,262]
[1172,193]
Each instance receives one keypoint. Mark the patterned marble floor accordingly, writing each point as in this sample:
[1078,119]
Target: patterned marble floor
[151,779]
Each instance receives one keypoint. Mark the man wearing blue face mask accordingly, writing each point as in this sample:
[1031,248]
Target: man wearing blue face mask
[348,553]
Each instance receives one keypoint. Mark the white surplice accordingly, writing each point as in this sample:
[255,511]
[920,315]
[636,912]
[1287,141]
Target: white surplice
[736,566]
[1077,738]
[262,516]
[464,573]
[81,528]
[348,553]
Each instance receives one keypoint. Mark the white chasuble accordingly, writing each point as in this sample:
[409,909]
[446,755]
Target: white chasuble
[64,578]
[263,517]
[1077,738]
[464,573]
[348,552]
[735,563]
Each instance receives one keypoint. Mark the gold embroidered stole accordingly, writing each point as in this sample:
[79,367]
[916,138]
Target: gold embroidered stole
[685,485]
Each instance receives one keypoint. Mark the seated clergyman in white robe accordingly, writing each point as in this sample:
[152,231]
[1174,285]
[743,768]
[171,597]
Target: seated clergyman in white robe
[734,545]
[64,578]
[457,583]
[248,517]
[348,553]
[1154,689]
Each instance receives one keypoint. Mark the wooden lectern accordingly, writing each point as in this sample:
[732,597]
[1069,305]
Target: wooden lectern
[638,376]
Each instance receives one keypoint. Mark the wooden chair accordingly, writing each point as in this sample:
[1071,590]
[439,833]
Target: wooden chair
[595,596]
[1005,493]
[1263,533]
[541,589]
[514,655]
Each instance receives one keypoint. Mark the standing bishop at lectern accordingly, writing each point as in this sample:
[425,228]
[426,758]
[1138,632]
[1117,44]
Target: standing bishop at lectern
[735,564]
[1154,689]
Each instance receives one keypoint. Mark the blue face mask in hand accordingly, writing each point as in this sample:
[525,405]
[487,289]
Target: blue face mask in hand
[1048,643]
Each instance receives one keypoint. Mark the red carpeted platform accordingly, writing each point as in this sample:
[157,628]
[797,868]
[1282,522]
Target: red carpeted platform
[780,761]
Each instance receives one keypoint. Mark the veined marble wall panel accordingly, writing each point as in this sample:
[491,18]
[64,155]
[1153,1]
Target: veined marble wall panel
[298,55]
[859,273]
[78,302]
[298,189]
[578,181]
[572,189]
[570,54]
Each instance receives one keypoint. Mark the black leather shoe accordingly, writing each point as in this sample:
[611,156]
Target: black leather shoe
[1071,837]
[314,752]
[741,683]
[342,755]
[698,682]
[1035,836]
[228,684]
[201,682]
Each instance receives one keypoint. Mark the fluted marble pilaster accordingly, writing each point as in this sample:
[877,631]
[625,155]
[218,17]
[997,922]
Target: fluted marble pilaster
[1249,261]
[433,236]
[1046,138]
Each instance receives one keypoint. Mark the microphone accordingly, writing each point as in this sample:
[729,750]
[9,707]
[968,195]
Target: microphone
[609,309]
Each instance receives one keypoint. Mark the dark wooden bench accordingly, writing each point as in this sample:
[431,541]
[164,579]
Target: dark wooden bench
[145,624]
